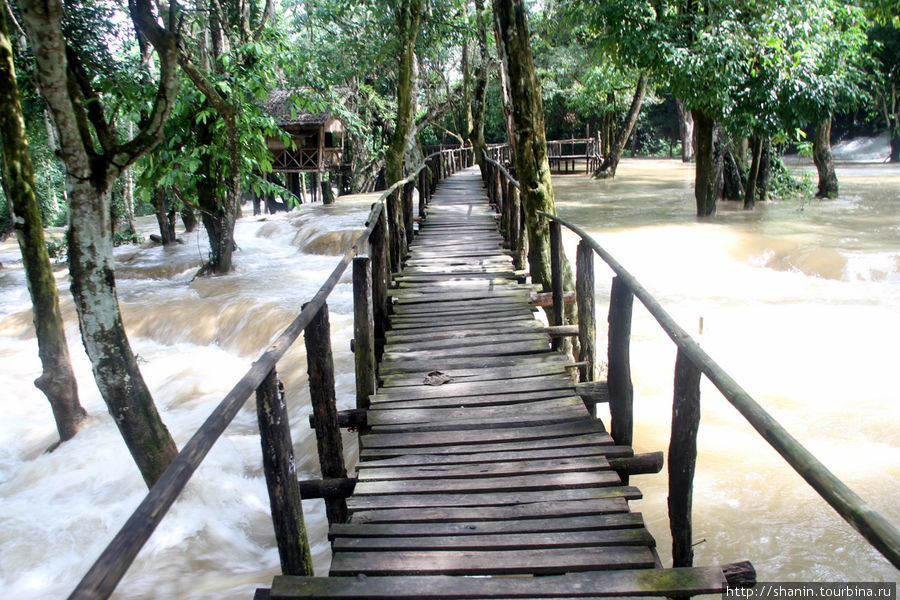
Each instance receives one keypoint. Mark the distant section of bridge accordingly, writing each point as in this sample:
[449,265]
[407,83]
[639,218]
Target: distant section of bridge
[479,456]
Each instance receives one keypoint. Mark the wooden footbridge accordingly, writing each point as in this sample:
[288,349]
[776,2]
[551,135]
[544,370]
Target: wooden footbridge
[479,456]
[483,472]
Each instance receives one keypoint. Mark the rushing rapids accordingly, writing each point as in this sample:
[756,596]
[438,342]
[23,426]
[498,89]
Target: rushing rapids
[799,300]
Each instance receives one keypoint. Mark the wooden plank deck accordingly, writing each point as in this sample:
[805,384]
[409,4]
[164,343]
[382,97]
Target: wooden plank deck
[499,471]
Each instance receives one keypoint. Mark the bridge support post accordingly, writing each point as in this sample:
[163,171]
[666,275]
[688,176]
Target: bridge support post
[556,278]
[396,231]
[499,193]
[516,236]
[621,391]
[281,478]
[363,331]
[320,368]
[408,217]
[378,251]
[587,320]
[683,458]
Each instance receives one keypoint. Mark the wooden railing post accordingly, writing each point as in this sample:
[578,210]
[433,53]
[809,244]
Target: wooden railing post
[320,368]
[556,277]
[396,231]
[378,251]
[363,331]
[498,193]
[683,458]
[517,231]
[408,215]
[281,478]
[503,208]
[421,185]
[584,297]
[621,391]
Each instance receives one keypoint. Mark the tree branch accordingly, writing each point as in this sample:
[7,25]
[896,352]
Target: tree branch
[266,16]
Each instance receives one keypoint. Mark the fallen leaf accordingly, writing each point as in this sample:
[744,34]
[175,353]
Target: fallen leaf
[436,378]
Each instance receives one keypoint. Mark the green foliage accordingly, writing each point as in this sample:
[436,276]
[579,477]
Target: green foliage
[249,72]
[57,248]
[5,221]
[760,66]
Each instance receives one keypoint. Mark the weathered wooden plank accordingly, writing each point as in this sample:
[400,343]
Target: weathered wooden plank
[596,584]
[484,374]
[603,440]
[456,331]
[479,303]
[517,434]
[445,253]
[509,541]
[486,418]
[490,498]
[525,347]
[484,423]
[459,284]
[386,415]
[514,483]
[448,343]
[533,510]
[479,362]
[417,460]
[543,561]
[465,292]
[408,279]
[471,401]
[512,316]
[475,388]
[459,315]
[622,520]
[519,467]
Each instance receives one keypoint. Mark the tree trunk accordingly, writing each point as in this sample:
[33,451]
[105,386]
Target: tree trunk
[686,130]
[505,98]
[57,380]
[756,150]
[83,129]
[733,175]
[165,219]
[532,166]
[476,133]
[828,181]
[765,171]
[895,142]
[409,13]
[611,161]
[188,218]
[708,179]
[217,215]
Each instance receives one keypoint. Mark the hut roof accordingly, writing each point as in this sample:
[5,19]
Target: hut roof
[279,105]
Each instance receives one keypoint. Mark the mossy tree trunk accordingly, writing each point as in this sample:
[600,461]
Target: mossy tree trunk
[94,157]
[409,14]
[57,380]
[479,93]
[164,219]
[708,178]
[824,159]
[607,169]
[532,166]
[686,131]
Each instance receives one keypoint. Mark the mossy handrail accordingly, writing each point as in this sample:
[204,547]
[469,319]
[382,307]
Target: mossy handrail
[107,571]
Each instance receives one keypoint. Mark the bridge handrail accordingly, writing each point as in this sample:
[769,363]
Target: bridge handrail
[107,571]
[693,361]
[876,529]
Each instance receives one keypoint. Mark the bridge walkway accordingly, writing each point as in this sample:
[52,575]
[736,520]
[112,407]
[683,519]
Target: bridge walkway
[480,458]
